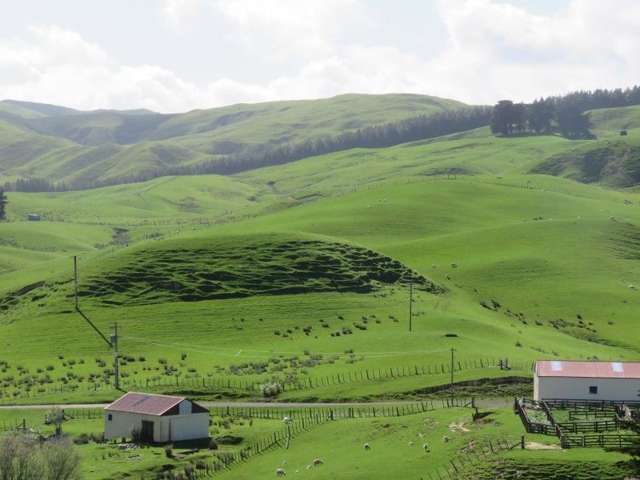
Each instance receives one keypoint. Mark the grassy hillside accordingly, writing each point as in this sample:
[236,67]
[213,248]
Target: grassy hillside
[302,271]
[515,262]
[299,277]
[63,144]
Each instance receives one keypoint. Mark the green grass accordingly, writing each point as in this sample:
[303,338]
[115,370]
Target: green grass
[48,142]
[545,249]
[396,448]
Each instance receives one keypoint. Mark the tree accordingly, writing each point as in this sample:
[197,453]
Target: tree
[23,457]
[62,462]
[508,117]
[539,116]
[572,121]
[3,205]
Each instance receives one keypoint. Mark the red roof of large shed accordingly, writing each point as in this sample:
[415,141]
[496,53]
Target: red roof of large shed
[577,369]
[145,403]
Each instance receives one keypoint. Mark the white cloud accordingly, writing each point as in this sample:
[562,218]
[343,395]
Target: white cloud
[291,27]
[492,50]
[499,50]
[178,11]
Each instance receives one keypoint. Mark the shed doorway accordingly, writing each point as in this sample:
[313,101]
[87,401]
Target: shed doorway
[147,431]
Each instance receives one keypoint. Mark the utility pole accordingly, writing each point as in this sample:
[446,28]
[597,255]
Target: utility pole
[113,341]
[410,306]
[452,359]
[75,280]
[116,357]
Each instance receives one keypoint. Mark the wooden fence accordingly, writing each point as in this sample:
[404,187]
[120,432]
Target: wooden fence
[341,413]
[598,440]
[580,433]
[252,385]
[303,420]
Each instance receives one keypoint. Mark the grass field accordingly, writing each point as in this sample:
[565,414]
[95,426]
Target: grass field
[414,446]
[300,275]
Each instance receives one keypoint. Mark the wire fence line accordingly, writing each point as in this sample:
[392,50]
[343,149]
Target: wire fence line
[303,420]
[465,466]
[249,385]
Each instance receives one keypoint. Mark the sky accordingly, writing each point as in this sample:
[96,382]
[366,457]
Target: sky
[178,55]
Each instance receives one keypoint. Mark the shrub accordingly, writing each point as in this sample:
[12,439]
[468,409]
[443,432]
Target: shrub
[136,435]
[271,389]
[82,439]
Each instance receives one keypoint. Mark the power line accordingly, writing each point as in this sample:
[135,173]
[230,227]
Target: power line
[113,342]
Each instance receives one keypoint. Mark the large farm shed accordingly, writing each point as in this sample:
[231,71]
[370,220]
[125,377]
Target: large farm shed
[158,418]
[576,380]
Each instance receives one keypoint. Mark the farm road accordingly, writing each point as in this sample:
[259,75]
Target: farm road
[480,402]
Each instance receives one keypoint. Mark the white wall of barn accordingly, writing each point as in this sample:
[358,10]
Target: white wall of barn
[614,389]
[170,428]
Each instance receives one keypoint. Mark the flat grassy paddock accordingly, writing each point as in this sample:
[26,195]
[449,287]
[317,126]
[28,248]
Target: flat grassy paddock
[396,447]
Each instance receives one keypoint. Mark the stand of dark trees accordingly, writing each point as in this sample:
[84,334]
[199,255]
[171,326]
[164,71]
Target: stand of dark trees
[3,205]
[412,129]
[563,114]
[35,185]
[409,130]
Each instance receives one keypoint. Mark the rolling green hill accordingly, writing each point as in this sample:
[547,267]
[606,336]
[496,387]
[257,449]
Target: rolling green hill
[61,144]
[300,272]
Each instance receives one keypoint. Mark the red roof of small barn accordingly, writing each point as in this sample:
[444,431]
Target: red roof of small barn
[577,369]
[145,403]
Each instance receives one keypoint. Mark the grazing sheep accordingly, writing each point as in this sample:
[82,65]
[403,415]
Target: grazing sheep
[317,462]
[426,447]
[281,473]
[367,446]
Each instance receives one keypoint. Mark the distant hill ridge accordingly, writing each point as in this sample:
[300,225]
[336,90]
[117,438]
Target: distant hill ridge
[103,146]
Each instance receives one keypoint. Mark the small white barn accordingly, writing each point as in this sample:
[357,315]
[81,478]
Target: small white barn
[584,380]
[158,418]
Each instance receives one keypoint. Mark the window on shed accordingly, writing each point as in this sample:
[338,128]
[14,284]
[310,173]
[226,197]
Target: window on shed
[109,417]
[593,389]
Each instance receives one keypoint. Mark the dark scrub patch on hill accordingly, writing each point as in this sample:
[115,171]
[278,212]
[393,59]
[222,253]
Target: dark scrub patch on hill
[614,163]
[11,299]
[242,269]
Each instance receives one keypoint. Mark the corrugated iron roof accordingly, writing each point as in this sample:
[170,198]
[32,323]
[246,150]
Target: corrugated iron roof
[577,369]
[144,403]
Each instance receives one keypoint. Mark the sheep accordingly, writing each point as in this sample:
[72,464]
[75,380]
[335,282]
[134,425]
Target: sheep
[445,439]
[281,473]
[317,462]
[367,446]
[426,447]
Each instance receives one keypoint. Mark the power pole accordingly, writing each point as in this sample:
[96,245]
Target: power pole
[75,280]
[411,307]
[113,341]
[116,357]
[451,383]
